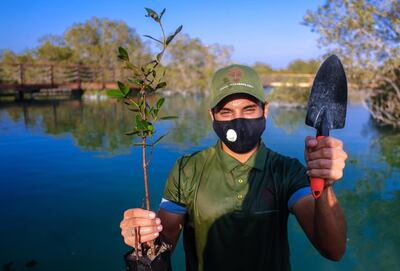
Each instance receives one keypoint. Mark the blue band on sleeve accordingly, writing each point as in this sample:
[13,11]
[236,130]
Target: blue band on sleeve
[302,192]
[172,207]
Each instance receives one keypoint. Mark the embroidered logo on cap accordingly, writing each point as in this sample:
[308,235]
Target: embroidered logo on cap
[235,74]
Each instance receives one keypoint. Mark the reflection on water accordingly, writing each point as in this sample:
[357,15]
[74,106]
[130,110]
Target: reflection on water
[100,125]
[50,165]
[289,119]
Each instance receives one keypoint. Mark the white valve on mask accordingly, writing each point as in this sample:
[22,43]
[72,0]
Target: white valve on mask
[231,135]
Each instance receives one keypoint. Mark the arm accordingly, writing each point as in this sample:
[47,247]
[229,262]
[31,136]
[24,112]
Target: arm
[323,220]
[324,223]
[172,226]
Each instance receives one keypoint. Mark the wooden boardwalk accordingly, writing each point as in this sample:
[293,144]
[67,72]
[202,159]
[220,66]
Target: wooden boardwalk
[56,78]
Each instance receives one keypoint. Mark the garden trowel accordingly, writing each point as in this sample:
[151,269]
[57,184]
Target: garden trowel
[327,105]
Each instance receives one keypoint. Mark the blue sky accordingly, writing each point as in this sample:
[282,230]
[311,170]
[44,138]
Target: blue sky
[266,31]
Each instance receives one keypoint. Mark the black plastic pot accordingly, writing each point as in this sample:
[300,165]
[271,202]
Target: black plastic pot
[162,262]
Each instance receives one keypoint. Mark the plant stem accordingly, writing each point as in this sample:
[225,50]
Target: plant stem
[144,163]
[146,185]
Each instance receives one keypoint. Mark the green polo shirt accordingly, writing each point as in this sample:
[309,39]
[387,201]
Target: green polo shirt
[236,213]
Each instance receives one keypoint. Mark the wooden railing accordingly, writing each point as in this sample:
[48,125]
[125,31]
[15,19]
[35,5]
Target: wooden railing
[34,76]
[28,77]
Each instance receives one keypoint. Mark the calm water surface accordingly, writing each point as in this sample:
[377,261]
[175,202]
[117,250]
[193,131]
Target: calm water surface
[67,173]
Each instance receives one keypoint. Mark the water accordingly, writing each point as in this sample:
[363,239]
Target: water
[67,173]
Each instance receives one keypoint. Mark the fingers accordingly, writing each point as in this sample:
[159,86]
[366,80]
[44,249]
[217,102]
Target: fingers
[325,158]
[144,234]
[327,174]
[137,212]
[139,222]
[310,142]
[326,153]
[142,230]
[130,240]
[326,142]
[326,164]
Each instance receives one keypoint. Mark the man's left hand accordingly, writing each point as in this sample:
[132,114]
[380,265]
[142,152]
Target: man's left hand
[325,158]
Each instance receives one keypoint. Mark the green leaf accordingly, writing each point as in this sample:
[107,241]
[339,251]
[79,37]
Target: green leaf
[171,37]
[137,82]
[151,62]
[123,54]
[150,127]
[130,66]
[150,37]
[141,103]
[160,102]
[162,13]
[150,89]
[133,109]
[139,123]
[161,85]
[158,139]
[115,93]
[134,103]
[179,29]
[123,88]
[151,13]
[155,113]
[133,132]
[159,56]
[168,118]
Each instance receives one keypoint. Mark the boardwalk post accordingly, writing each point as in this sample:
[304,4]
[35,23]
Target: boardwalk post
[103,79]
[20,93]
[52,75]
[21,74]
[113,75]
[78,70]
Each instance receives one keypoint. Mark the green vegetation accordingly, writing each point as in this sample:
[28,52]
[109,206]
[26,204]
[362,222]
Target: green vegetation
[366,35]
[191,64]
[96,41]
[301,66]
[93,42]
[287,95]
[262,68]
[288,119]
[296,66]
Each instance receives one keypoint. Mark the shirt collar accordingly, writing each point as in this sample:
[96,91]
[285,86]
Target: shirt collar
[256,160]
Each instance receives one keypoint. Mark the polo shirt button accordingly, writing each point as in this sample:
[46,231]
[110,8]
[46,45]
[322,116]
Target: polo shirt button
[241,181]
[240,196]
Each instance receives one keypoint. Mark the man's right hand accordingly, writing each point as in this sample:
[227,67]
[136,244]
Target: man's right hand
[147,223]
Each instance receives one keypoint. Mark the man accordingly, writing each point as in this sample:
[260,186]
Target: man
[233,199]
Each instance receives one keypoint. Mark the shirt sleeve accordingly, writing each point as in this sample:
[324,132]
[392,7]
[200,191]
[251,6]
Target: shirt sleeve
[172,207]
[298,182]
[174,196]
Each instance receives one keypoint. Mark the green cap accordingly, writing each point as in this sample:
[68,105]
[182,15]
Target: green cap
[235,79]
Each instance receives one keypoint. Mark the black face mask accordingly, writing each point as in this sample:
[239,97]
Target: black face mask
[240,135]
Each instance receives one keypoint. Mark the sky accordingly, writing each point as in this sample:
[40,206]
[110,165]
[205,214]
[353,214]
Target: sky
[265,31]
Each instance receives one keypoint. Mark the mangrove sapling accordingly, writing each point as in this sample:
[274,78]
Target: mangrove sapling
[146,79]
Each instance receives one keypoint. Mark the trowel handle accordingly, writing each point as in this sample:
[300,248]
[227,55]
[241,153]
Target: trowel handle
[317,184]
